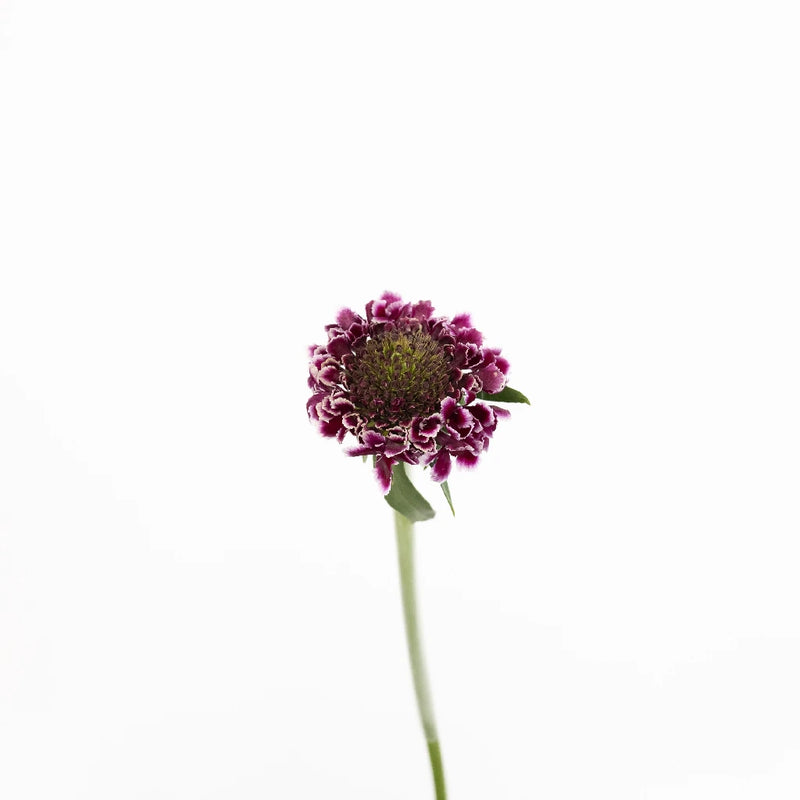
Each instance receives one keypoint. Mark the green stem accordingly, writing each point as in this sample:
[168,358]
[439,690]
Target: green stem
[404,528]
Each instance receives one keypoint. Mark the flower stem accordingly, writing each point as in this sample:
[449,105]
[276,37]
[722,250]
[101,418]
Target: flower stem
[404,529]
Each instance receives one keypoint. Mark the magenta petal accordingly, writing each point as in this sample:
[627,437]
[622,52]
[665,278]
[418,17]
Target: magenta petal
[492,378]
[383,472]
[392,449]
[467,459]
[330,428]
[387,308]
[328,376]
[313,402]
[470,336]
[373,439]
[341,405]
[350,421]
[422,310]
[371,445]
[441,467]
[455,416]
[346,318]
[448,404]
[361,450]
[431,425]
[338,346]
[483,414]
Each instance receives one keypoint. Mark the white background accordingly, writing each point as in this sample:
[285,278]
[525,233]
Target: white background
[198,595]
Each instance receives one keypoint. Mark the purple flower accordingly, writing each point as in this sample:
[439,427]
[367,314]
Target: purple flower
[406,385]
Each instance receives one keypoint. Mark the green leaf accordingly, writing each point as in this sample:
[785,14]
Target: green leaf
[405,499]
[446,492]
[506,395]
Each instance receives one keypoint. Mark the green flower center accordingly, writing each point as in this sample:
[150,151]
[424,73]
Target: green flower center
[397,376]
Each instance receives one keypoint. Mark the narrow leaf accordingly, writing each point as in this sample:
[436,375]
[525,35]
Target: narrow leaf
[405,499]
[446,492]
[506,395]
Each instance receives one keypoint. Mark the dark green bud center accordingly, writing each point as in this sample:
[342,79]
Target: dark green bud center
[398,375]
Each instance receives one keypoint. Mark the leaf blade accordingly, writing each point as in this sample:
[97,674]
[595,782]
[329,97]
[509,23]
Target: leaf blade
[446,493]
[404,498]
[505,395]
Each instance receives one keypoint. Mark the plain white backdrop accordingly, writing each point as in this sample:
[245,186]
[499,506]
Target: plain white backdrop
[198,595]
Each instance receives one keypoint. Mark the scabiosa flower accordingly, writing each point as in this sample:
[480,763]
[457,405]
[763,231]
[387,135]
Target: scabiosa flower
[410,388]
[408,385]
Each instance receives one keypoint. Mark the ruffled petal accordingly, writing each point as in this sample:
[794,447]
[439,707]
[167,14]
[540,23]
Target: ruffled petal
[383,472]
[441,467]
[467,459]
[492,379]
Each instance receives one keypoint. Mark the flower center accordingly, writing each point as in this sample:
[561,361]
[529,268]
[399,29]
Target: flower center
[397,376]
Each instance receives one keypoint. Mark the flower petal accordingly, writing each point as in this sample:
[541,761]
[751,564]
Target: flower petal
[383,472]
[467,459]
[492,379]
[441,467]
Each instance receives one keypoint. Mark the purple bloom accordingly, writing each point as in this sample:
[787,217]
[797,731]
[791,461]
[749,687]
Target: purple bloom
[405,384]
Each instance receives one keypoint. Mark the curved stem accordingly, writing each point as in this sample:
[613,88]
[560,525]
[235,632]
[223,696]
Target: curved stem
[404,529]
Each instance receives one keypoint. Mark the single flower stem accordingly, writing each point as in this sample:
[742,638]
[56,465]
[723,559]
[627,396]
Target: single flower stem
[404,529]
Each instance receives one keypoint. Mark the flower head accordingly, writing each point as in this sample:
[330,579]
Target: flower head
[407,385]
